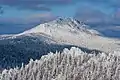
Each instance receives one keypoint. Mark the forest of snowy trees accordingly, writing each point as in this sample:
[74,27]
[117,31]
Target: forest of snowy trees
[14,52]
[72,64]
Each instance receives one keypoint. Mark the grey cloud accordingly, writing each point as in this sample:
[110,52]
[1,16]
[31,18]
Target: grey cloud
[1,10]
[109,3]
[45,5]
[96,16]
[35,4]
[105,23]
[90,15]
[17,25]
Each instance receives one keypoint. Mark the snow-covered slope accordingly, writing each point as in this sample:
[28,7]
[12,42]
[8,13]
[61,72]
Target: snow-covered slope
[73,32]
[70,31]
[50,37]
[67,25]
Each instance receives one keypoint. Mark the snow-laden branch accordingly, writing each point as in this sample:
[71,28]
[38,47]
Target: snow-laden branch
[71,64]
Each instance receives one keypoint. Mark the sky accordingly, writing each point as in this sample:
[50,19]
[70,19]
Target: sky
[19,15]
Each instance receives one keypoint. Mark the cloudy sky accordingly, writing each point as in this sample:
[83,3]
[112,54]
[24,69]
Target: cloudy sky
[19,15]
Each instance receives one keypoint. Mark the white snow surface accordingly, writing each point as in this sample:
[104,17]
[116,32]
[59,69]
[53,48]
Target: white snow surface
[71,31]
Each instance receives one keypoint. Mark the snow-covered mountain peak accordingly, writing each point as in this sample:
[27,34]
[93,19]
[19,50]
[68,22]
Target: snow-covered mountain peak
[71,32]
[64,25]
[67,20]
[71,22]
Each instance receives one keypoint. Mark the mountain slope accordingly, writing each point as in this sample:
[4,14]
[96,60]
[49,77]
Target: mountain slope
[17,50]
[70,31]
[53,36]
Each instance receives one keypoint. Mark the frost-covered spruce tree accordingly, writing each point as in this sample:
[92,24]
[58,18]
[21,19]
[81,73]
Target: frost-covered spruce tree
[72,64]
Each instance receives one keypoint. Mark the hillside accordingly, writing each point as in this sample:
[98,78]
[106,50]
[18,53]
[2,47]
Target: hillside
[53,36]
[73,32]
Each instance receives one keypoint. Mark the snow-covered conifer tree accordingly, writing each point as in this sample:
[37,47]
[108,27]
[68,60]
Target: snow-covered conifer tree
[72,64]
